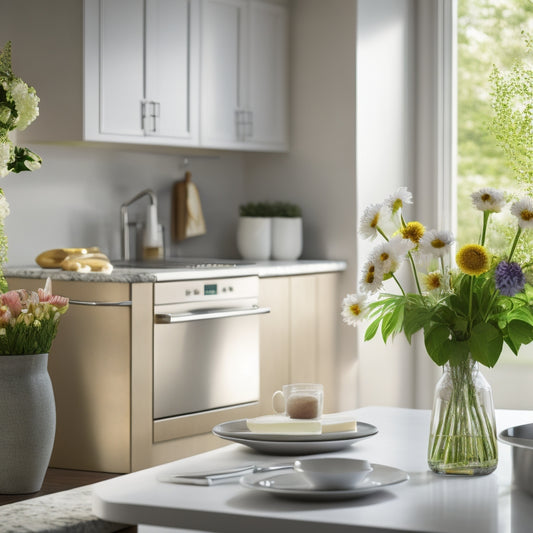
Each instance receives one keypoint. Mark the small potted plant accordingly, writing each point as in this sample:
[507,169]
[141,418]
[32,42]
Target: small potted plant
[254,231]
[287,233]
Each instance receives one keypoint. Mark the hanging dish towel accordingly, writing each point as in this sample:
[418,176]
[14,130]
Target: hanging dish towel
[188,219]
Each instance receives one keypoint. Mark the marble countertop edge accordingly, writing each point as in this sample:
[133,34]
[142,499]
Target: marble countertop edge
[263,269]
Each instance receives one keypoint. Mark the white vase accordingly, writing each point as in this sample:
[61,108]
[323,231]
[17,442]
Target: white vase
[287,238]
[27,422]
[254,237]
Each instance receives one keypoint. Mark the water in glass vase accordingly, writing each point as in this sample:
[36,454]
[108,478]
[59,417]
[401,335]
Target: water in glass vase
[463,427]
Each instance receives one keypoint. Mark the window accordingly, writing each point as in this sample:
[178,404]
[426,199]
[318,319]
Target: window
[488,32]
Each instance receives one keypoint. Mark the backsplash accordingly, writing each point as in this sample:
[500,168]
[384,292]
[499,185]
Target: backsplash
[74,199]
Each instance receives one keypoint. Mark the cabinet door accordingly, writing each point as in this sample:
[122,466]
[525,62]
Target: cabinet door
[171,107]
[222,58]
[267,75]
[121,57]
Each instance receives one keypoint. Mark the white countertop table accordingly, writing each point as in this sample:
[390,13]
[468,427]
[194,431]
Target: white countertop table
[427,502]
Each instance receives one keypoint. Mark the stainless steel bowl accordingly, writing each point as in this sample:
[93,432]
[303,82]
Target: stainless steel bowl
[521,440]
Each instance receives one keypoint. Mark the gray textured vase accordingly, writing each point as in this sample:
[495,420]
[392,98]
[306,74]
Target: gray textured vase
[27,422]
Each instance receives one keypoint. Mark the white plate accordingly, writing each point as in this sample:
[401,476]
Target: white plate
[239,429]
[294,486]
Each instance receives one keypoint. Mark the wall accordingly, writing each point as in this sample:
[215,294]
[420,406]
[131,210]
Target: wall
[319,173]
[74,199]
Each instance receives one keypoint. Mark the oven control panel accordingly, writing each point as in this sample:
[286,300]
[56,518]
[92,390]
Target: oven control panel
[173,292]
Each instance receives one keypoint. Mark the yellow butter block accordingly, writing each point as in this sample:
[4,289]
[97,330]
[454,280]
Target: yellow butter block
[280,424]
[338,422]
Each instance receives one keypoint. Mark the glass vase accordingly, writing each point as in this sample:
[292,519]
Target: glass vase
[462,437]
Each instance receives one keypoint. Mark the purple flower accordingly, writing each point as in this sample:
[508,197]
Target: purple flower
[509,278]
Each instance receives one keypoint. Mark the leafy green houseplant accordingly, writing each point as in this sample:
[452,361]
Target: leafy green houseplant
[512,107]
[270,230]
[466,312]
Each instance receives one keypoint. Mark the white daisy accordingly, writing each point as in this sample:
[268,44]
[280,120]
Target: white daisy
[523,211]
[398,200]
[372,277]
[390,255]
[488,199]
[354,308]
[436,242]
[369,223]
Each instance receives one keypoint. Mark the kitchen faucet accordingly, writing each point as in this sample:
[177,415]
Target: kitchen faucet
[124,227]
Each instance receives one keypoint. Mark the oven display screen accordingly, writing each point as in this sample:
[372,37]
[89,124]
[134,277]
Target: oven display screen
[210,290]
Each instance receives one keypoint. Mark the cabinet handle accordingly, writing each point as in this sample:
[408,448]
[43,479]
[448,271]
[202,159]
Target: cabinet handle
[250,124]
[170,318]
[239,123]
[156,109]
[143,115]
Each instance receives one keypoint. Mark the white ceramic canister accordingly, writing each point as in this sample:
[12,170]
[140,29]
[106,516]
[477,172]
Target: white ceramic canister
[254,237]
[287,238]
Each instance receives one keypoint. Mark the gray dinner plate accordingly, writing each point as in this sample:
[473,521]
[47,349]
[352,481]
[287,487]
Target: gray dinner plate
[277,444]
[293,485]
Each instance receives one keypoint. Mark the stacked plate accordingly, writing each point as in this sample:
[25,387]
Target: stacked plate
[300,444]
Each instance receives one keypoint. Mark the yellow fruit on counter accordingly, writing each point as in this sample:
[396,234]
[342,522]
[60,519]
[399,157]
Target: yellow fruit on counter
[53,258]
[91,262]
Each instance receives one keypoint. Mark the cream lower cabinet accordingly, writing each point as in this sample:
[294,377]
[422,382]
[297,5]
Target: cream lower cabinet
[298,339]
[101,367]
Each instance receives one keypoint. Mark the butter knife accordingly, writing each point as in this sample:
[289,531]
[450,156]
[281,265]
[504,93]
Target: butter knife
[214,477]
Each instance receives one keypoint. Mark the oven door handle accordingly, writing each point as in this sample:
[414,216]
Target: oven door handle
[171,318]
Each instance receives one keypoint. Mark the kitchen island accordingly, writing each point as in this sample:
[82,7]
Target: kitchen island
[427,502]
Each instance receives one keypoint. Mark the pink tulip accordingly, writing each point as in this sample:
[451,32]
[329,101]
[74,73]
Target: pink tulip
[12,300]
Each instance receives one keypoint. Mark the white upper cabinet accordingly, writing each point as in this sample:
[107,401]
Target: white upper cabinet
[244,76]
[192,73]
[141,71]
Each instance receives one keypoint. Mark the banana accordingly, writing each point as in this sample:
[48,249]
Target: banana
[90,262]
[53,258]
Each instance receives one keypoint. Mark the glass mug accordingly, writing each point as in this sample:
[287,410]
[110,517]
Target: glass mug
[299,400]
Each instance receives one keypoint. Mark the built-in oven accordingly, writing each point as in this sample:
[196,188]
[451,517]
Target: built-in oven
[206,345]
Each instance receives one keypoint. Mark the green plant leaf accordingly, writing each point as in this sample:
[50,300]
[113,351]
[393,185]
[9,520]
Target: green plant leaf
[458,351]
[372,329]
[486,343]
[436,340]
[392,322]
[518,333]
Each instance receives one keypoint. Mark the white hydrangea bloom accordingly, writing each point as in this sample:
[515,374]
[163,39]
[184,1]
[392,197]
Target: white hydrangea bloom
[6,152]
[488,199]
[4,208]
[26,102]
[523,211]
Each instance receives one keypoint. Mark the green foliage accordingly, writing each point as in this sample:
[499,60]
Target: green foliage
[270,209]
[488,34]
[474,318]
[512,105]
[24,339]
[252,209]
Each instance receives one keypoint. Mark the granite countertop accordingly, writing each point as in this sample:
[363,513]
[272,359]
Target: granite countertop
[263,269]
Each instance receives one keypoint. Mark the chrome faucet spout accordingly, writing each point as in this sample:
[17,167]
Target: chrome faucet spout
[124,228]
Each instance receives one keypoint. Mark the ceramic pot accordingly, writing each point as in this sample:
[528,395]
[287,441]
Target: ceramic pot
[254,236]
[463,423]
[287,239]
[27,422]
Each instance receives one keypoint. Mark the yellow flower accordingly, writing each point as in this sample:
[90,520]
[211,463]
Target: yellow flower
[473,259]
[413,231]
[433,281]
